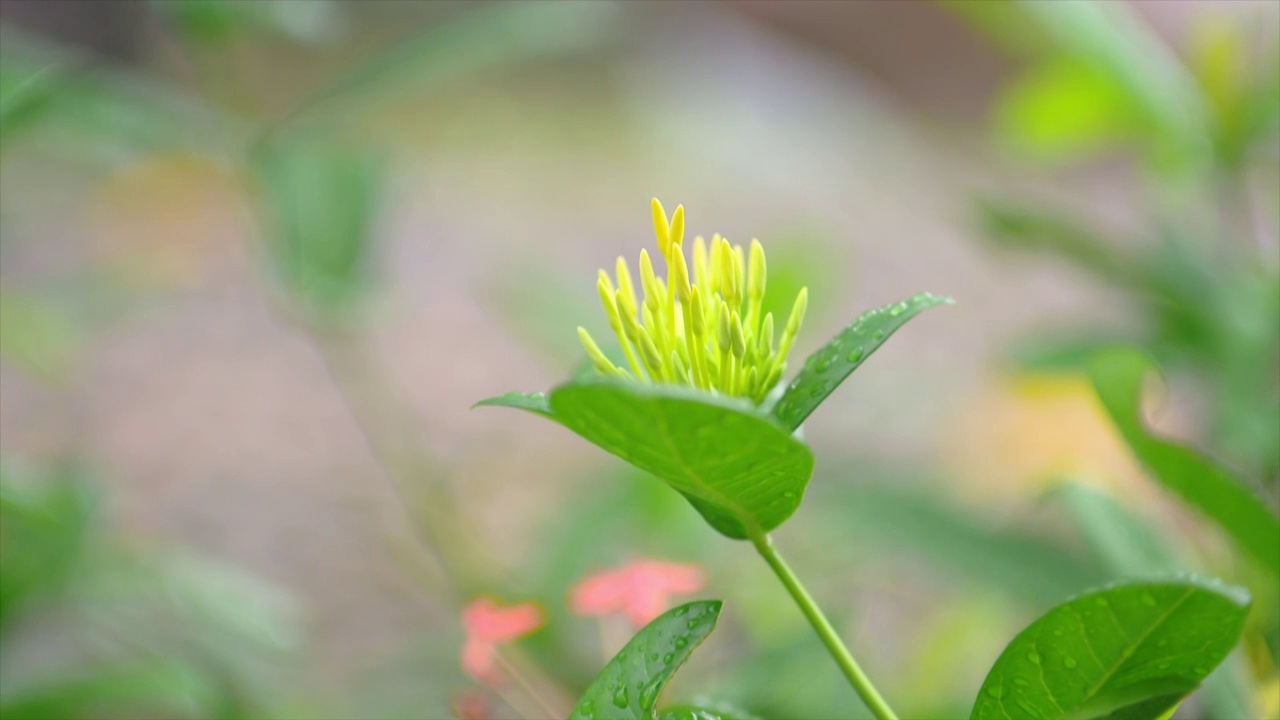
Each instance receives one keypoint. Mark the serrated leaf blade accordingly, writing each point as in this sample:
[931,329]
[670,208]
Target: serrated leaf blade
[738,468]
[1130,652]
[825,369]
[628,686]
[1117,376]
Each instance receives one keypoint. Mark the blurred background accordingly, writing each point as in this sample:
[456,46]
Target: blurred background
[259,259]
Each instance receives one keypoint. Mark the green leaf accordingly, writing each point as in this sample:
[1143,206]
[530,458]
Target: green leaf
[1065,109]
[1024,228]
[319,202]
[40,337]
[1117,377]
[890,518]
[1121,540]
[692,712]
[46,516]
[628,687]
[828,367]
[743,472]
[25,91]
[1131,652]
[158,688]
[533,402]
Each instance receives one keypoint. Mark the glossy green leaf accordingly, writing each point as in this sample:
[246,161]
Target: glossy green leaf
[1130,652]
[628,687]
[743,472]
[1117,377]
[828,367]
[533,402]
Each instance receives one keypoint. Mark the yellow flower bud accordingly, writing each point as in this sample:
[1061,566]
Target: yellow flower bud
[756,271]
[660,227]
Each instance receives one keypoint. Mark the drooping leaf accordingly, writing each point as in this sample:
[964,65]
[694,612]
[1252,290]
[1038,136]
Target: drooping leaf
[628,687]
[1132,652]
[1114,41]
[533,402]
[742,471]
[829,366]
[1117,377]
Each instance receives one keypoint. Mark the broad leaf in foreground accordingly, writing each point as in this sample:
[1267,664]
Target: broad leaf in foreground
[743,472]
[628,687]
[828,367]
[1131,652]
[1117,377]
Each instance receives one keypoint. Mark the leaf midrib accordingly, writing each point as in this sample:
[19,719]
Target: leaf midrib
[1134,644]
[748,523]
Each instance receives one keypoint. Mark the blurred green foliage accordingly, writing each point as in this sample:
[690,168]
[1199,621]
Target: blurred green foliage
[153,633]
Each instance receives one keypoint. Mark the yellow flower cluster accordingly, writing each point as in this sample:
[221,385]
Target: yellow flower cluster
[704,328]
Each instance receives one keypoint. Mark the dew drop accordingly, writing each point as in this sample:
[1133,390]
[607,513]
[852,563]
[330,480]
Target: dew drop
[680,611]
[854,355]
[648,696]
[1200,671]
[1057,631]
[788,494]
[586,708]
[653,657]
[995,691]
[1148,599]
[1021,682]
[1033,657]
[620,698]
[898,309]
[668,658]
[681,643]
[877,335]
[1101,602]
[1162,666]
[1069,662]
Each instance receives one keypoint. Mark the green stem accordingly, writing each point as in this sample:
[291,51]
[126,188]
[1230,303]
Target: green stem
[857,678]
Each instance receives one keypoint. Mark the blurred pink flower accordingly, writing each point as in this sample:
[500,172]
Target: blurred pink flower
[489,625]
[640,589]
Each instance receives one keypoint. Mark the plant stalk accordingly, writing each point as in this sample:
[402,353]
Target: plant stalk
[857,678]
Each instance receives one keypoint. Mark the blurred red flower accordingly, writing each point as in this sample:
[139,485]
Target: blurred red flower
[489,625]
[640,589]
